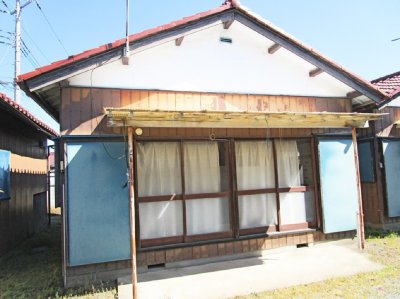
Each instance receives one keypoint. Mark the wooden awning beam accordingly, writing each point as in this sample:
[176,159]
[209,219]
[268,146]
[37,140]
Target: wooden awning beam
[275,47]
[118,117]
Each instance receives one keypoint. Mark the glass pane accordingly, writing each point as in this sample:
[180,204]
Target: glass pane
[306,168]
[366,159]
[310,206]
[254,165]
[203,170]
[160,219]
[207,216]
[293,207]
[288,163]
[159,168]
[257,210]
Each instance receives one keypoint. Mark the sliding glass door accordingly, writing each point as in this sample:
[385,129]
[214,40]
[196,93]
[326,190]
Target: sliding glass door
[186,188]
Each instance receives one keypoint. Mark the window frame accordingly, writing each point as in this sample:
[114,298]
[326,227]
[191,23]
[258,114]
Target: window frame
[185,238]
[277,190]
[232,194]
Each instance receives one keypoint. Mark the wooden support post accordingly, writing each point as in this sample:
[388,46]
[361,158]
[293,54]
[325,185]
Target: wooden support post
[132,212]
[361,237]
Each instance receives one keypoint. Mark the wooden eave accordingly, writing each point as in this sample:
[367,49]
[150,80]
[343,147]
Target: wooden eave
[120,117]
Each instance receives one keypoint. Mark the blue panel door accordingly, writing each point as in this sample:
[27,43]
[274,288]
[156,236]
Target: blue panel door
[338,178]
[391,155]
[97,203]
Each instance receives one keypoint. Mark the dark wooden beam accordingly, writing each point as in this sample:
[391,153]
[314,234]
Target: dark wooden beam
[315,72]
[353,94]
[228,23]
[179,41]
[275,47]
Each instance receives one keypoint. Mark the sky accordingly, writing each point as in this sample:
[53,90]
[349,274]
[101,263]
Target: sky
[356,34]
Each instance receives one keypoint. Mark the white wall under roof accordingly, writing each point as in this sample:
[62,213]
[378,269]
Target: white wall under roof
[203,63]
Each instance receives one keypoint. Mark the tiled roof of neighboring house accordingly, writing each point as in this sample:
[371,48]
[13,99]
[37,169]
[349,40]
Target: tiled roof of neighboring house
[21,112]
[389,84]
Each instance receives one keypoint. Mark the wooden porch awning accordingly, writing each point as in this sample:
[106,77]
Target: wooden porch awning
[118,117]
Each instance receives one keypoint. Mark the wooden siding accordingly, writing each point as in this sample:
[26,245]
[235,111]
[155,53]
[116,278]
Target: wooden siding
[17,213]
[373,192]
[82,108]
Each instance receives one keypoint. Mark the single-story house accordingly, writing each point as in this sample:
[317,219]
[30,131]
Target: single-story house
[226,135]
[379,148]
[23,173]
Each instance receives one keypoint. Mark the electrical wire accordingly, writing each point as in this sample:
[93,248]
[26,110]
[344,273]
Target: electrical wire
[97,121]
[30,53]
[5,4]
[26,55]
[34,43]
[51,27]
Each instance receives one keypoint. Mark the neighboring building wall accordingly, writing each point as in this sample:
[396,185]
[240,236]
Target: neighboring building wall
[17,220]
[374,191]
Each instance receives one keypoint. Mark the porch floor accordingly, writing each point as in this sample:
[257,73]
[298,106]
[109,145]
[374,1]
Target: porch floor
[272,269]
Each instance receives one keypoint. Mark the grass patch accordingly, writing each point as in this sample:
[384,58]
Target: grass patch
[33,270]
[383,247]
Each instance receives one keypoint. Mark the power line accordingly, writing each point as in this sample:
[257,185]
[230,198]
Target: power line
[25,47]
[8,32]
[5,4]
[34,43]
[51,27]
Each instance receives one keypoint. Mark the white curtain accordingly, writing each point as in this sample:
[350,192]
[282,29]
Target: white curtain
[159,168]
[255,170]
[160,219]
[293,207]
[159,173]
[254,165]
[288,163]
[292,204]
[202,175]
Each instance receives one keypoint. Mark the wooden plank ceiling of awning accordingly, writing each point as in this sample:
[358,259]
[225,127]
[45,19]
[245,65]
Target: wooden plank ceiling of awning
[118,117]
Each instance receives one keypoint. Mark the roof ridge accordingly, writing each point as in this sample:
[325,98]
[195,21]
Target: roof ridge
[23,111]
[233,3]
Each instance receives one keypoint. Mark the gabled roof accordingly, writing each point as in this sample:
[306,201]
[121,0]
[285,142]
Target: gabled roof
[389,84]
[40,83]
[23,114]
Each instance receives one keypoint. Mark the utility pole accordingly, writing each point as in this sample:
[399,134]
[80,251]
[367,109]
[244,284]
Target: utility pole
[17,12]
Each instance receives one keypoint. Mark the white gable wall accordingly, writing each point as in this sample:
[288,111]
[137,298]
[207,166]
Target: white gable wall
[202,63]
